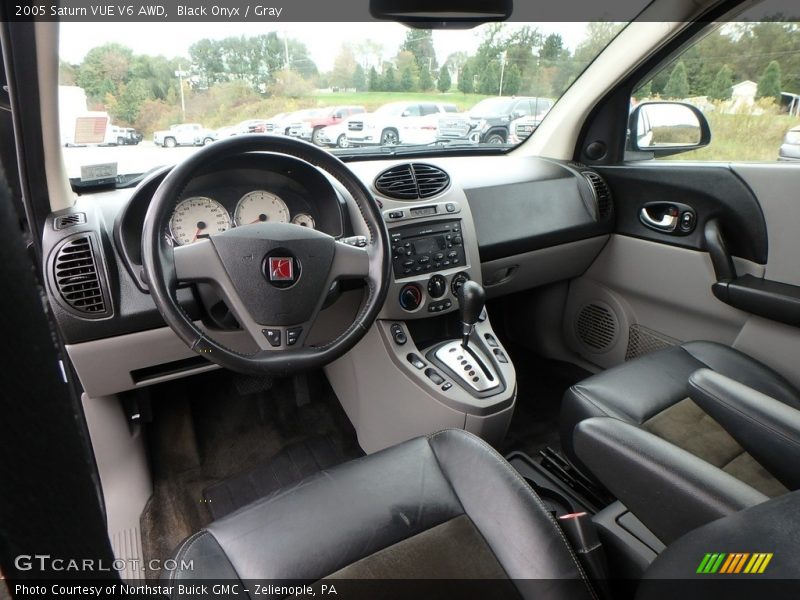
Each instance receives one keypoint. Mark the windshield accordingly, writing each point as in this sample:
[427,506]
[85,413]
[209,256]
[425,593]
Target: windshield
[386,87]
[492,107]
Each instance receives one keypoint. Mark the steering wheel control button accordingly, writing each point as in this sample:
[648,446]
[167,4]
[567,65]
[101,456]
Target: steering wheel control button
[273,336]
[437,286]
[281,268]
[434,376]
[410,297]
[398,334]
[292,335]
[415,361]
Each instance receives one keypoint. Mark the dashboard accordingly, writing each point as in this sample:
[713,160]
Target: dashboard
[509,223]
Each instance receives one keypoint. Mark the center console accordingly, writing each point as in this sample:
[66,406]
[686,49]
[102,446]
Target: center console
[419,369]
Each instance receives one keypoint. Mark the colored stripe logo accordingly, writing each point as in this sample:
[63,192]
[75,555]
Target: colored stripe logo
[734,563]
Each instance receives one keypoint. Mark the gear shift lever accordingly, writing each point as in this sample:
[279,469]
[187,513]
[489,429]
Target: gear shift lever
[471,299]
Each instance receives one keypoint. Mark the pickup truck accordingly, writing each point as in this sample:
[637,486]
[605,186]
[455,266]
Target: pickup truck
[310,127]
[489,121]
[186,134]
[398,123]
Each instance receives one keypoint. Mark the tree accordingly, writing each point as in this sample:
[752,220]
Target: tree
[374,82]
[644,91]
[389,79]
[359,79]
[344,67]
[721,86]
[489,80]
[419,42]
[465,79]
[103,70]
[290,84]
[552,49]
[678,84]
[425,79]
[407,79]
[511,81]
[769,84]
[444,82]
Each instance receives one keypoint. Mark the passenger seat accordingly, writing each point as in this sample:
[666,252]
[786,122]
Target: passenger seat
[651,393]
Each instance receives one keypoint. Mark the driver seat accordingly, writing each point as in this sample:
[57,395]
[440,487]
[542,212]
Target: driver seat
[446,506]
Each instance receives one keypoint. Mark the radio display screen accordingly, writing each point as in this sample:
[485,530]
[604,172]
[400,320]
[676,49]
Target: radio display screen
[429,244]
[425,211]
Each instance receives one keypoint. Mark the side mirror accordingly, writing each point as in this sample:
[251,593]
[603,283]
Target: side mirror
[517,114]
[666,128]
[405,113]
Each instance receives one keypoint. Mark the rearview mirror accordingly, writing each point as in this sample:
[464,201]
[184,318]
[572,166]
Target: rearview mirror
[665,128]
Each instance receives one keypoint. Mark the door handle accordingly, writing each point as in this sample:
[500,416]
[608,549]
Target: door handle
[668,222]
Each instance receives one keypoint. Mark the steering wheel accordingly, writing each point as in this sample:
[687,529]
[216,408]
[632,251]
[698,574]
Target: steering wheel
[273,276]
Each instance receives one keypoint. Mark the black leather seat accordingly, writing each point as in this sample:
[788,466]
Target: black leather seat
[652,393]
[445,506]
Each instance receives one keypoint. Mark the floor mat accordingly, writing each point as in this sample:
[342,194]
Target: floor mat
[290,465]
[540,388]
[211,427]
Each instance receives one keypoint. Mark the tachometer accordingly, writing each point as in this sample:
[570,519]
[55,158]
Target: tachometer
[304,220]
[260,206]
[196,218]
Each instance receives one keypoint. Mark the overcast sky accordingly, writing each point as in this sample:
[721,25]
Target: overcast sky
[322,39]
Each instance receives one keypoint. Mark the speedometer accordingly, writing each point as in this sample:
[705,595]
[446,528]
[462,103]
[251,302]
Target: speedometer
[260,206]
[196,218]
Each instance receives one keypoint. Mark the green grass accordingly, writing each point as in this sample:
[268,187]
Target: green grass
[372,100]
[742,138]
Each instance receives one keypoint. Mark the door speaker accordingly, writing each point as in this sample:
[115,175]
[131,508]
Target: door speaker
[596,327]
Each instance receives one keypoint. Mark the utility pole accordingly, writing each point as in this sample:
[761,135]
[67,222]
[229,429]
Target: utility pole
[502,70]
[180,75]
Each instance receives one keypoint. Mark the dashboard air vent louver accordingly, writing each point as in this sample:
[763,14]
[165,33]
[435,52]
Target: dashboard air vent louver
[412,181]
[65,221]
[601,192]
[77,278]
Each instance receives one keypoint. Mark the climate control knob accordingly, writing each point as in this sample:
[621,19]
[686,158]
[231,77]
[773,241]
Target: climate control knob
[437,286]
[410,297]
[458,281]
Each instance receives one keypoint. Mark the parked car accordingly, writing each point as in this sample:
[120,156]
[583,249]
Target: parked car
[522,127]
[790,149]
[187,134]
[334,135]
[398,123]
[310,126]
[279,124]
[126,136]
[489,120]
[251,126]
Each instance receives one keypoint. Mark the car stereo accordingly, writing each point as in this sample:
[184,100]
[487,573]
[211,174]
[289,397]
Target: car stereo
[427,247]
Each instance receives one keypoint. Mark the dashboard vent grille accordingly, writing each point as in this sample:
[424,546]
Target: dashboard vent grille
[430,180]
[65,221]
[412,181]
[596,326]
[77,277]
[601,192]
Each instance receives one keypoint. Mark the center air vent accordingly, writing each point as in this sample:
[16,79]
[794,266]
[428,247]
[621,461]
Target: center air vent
[412,181]
[601,192]
[77,278]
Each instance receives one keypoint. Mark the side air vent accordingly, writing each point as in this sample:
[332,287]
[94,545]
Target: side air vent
[412,181]
[77,278]
[601,192]
[596,327]
[65,221]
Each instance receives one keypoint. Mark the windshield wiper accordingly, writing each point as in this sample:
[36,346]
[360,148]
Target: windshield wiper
[442,146]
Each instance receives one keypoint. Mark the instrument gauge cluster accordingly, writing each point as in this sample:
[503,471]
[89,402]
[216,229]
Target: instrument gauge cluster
[200,216]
